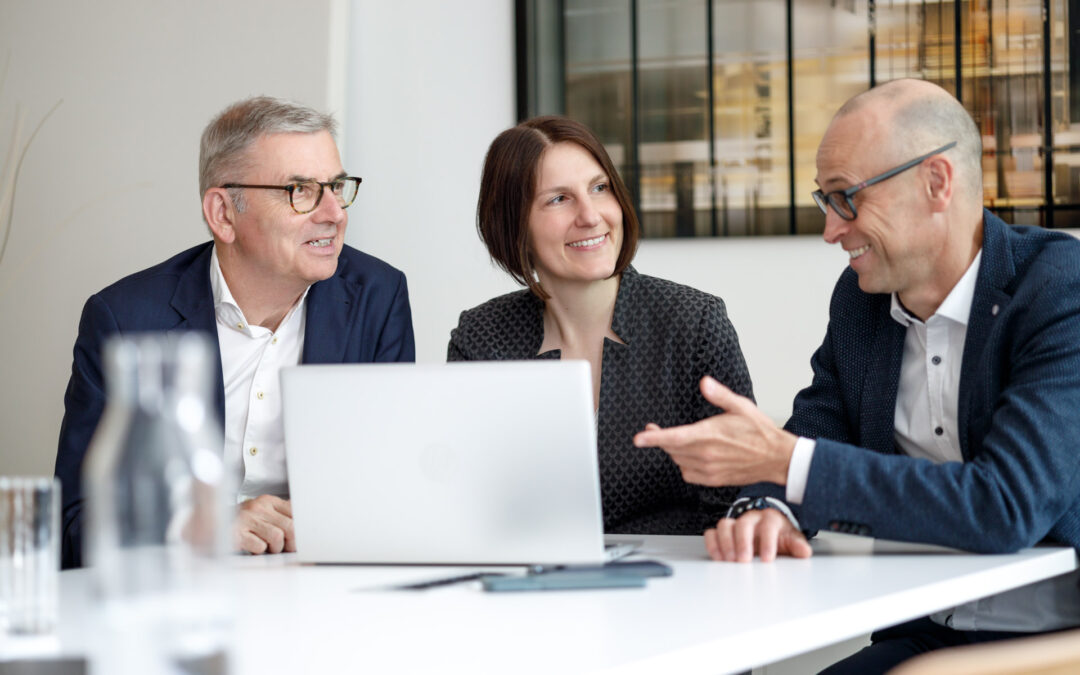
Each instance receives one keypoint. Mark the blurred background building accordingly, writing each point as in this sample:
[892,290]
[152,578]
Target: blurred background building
[713,109]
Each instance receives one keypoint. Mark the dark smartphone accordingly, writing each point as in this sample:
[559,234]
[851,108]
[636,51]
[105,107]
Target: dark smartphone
[563,580]
[637,568]
[627,574]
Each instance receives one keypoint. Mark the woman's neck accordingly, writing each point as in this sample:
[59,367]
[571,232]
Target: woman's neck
[577,318]
[578,315]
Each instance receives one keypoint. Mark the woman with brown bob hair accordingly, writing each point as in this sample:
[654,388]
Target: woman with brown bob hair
[555,215]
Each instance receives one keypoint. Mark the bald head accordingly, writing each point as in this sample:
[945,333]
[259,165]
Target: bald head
[913,117]
[918,233]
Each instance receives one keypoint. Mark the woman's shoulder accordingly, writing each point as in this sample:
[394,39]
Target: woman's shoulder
[500,309]
[654,309]
[666,296]
[506,322]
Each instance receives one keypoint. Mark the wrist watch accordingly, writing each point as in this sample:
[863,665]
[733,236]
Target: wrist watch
[745,504]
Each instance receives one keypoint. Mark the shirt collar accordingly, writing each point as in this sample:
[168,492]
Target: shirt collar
[226,309]
[220,289]
[957,304]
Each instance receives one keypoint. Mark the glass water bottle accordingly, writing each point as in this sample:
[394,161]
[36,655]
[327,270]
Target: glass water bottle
[159,522]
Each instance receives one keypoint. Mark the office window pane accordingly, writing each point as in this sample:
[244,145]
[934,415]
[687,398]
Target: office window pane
[831,63]
[1065,107]
[937,44]
[1007,100]
[643,72]
[899,40]
[674,151]
[751,117]
[598,70]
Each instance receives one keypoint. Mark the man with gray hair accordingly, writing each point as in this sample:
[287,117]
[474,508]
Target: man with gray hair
[277,286]
[945,398]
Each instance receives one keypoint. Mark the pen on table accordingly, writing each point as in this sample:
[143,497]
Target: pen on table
[445,581]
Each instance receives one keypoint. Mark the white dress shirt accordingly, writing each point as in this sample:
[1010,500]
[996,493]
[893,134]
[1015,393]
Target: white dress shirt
[926,422]
[251,358]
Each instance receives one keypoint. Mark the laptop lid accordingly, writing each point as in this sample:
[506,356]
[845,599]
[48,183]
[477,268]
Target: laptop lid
[460,463]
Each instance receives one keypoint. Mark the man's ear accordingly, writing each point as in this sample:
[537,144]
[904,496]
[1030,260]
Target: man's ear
[940,175]
[220,214]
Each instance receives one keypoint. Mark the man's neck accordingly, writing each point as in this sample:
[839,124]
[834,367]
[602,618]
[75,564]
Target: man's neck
[264,303]
[946,271]
[268,313]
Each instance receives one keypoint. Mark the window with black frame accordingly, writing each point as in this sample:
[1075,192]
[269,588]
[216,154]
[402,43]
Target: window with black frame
[713,109]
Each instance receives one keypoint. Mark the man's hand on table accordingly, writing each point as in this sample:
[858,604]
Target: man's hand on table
[264,525]
[765,532]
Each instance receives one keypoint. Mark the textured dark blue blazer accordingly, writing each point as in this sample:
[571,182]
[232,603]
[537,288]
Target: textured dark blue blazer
[359,315]
[1019,410]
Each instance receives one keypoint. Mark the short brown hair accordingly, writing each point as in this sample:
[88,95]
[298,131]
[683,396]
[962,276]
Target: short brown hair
[508,186]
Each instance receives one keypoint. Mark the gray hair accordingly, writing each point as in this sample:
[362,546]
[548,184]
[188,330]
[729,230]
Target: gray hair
[924,117]
[226,139]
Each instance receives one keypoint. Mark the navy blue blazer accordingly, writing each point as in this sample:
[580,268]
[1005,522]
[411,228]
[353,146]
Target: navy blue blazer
[1019,410]
[359,315]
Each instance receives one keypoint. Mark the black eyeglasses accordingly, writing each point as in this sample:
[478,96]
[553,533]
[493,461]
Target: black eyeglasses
[841,200]
[305,195]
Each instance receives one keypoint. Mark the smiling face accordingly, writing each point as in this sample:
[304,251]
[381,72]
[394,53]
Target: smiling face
[892,243]
[575,222]
[273,244]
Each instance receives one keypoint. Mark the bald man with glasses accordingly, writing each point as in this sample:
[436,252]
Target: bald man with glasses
[945,403]
[276,286]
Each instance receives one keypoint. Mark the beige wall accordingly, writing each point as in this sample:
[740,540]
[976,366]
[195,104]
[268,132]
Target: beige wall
[110,184]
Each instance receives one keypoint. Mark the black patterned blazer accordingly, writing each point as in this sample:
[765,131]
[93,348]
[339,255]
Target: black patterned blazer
[673,336]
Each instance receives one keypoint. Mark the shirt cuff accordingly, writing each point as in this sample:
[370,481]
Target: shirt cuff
[799,470]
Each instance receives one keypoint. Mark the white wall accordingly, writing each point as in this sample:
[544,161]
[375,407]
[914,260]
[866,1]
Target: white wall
[430,85]
[425,100]
[777,293]
[110,184]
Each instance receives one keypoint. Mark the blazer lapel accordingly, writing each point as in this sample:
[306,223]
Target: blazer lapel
[330,304]
[194,302]
[996,271]
[881,383]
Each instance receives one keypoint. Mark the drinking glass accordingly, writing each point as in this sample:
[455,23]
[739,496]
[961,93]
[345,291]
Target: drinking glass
[29,553]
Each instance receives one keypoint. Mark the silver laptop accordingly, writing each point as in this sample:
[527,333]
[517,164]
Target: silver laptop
[461,463]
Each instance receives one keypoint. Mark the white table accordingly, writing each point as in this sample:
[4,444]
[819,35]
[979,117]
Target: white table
[708,618]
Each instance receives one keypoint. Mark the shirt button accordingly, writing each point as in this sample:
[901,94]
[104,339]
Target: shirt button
[937,431]
[274,341]
[936,360]
[253,451]
[240,326]
[259,396]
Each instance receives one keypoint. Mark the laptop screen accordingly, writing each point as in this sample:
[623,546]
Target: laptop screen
[461,463]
